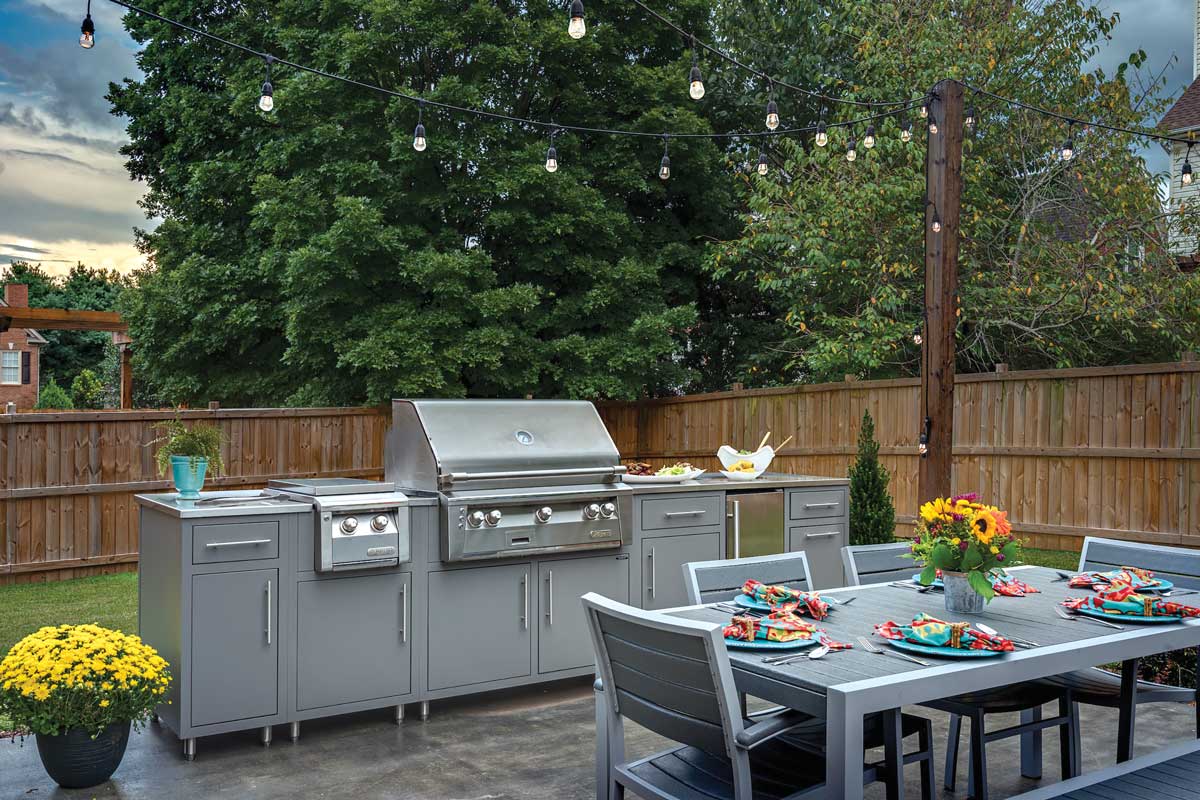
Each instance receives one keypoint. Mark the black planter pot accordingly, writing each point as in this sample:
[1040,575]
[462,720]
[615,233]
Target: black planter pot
[76,761]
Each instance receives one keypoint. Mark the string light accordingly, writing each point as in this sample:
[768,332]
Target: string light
[419,143]
[552,154]
[1185,173]
[576,27]
[87,31]
[772,108]
[924,112]
[869,139]
[918,339]
[822,134]
[923,440]
[906,130]
[1068,148]
[664,166]
[695,80]
[852,149]
[969,120]
[762,163]
[935,224]
[266,100]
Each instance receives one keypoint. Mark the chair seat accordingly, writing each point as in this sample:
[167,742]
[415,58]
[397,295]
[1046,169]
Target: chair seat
[1003,699]
[1098,687]
[811,735]
[780,770]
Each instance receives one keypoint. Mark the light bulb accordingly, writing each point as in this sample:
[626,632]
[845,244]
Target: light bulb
[664,168]
[266,102]
[762,163]
[551,160]
[936,225]
[1185,174]
[576,27]
[918,338]
[852,150]
[695,83]
[419,143]
[772,115]
[924,109]
[1068,150]
[869,139]
[822,136]
[969,121]
[87,33]
[906,131]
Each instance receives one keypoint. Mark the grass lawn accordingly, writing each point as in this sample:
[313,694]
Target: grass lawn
[1055,559]
[108,600]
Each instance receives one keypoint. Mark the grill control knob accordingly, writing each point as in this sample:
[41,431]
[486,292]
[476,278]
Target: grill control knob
[493,517]
[475,519]
[543,514]
[350,524]
[379,522]
[608,510]
[591,511]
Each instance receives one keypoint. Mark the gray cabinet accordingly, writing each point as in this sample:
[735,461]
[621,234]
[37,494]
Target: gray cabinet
[352,639]
[235,646]
[822,542]
[663,558]
[563,640]
[479,625]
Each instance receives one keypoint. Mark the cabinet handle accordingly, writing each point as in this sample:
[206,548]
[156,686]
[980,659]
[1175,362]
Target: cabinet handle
[737,527]
[550,596]
[404,613]
[824,535]
[247,543]
[653,577]
[525,594]
[821,505]
[268,612]
[698,513]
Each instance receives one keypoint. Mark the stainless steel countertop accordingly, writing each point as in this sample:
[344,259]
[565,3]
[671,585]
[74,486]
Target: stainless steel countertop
[169,503]
[714,481]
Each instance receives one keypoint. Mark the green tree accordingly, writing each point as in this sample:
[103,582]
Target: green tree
[312,256]
[1062,263]
[872,514]
[87,390]
[53,396]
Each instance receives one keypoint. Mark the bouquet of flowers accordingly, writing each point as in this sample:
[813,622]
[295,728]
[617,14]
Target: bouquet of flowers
[962,535]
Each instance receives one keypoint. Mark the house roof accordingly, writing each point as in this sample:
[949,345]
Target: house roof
[34,336]
[1185,114]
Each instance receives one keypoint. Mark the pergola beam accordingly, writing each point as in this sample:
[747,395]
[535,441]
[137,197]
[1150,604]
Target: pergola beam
[61,319]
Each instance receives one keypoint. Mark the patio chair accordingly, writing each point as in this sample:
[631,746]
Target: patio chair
[881,563]
[877,563]
[713,581]
[1097,687]
[673,677]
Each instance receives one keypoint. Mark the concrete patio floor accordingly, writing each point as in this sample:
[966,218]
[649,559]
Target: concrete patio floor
[532,744]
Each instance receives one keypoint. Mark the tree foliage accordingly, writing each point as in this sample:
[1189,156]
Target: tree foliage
[872,514]
[53,396]
[1061,263]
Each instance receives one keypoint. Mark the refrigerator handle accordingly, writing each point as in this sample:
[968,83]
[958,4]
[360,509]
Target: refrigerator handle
[734,512]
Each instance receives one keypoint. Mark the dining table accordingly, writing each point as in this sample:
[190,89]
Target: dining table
[844,686]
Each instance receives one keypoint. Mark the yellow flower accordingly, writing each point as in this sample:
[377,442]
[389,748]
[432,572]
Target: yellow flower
[985,526]
[937,509]
[995,550]
[956,541]
[104,703]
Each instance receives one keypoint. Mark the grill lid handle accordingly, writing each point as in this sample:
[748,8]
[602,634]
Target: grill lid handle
[466,477]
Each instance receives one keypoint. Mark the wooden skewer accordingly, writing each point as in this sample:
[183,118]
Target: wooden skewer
[781,444]
[764,441]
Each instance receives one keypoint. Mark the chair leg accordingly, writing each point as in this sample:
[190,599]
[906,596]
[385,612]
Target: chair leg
[1066,739]
[977,778]
[952,738]
[893,754]
[925,742]
[1031,745]
[1128,710]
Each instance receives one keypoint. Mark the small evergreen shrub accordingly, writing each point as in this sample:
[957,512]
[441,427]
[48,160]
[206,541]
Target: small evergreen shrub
[872,515]
[54,396]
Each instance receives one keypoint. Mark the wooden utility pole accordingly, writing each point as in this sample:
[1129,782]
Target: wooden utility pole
[943,200]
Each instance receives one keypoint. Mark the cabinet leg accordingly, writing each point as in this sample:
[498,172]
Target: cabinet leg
[399,713]
[424,710]
[265,735]
[295,731]
[189,749]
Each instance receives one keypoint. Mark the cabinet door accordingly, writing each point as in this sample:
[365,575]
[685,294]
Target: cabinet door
[352,639]
[479,622]
[235,646]
[563,639]
[663,558]
[822,542]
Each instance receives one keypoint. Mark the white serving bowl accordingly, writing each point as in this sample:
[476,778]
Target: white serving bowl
[761,459]
[742,476]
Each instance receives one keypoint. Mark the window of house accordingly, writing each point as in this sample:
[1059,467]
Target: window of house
[10,366]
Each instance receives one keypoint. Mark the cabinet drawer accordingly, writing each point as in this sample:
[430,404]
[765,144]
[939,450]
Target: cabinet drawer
[235,541]
[681,511]
[822,543]
[811,504]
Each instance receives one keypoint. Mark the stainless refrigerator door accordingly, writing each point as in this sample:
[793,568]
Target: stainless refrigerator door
[754,524]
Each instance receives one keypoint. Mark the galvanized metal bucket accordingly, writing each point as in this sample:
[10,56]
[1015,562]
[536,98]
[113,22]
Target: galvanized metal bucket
[961,597]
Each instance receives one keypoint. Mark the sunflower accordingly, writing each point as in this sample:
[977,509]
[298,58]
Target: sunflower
[985,526]
[936,509]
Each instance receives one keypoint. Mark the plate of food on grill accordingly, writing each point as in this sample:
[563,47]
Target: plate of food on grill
[641,472]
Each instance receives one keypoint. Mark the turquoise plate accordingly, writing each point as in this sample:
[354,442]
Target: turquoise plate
[763,644]
[937,582]
[942,652]
[745,601]
[1161,585]
[1135,618]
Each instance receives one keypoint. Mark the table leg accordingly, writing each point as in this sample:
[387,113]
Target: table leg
[843,748]
[1128,713]
[1031,745]
[893,754]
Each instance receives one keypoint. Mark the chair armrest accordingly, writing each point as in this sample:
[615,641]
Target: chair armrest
[771,727]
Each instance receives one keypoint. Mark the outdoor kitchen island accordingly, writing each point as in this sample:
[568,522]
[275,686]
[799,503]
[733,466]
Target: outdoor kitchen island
[510,511]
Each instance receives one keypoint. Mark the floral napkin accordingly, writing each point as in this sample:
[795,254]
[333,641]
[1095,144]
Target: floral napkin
[933,632]
[785,598]
[1125,576]
[781,625]
[1118,600]
[1009,586]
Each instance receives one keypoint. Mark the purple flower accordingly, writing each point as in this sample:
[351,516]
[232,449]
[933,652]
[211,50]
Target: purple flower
[963,546]
[970,497]
[999,556]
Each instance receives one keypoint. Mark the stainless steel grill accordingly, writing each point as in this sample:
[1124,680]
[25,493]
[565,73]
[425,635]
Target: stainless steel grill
[514,477]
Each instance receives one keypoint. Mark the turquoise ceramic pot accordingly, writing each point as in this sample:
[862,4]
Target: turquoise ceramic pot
[188,474]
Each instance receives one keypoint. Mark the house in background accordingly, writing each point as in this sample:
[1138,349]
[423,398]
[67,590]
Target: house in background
[20,355]
[1183,119]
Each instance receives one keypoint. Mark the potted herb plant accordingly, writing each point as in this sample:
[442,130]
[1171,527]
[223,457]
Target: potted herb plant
[188,453]
[78,689]
[964,542]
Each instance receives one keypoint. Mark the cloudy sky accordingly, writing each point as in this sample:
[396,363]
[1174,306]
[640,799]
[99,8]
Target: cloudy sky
[65,195]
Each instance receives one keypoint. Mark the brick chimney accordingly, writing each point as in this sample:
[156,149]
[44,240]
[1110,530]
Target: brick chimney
[16,295]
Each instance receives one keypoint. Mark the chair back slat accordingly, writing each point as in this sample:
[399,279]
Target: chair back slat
[877,563]
[665,667]
[675,726]
[713,581]
[1179,565]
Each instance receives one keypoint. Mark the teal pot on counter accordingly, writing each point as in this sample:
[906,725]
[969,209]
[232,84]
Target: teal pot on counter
[188,473]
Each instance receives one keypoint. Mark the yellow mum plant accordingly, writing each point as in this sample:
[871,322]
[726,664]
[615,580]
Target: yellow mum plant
[80,676]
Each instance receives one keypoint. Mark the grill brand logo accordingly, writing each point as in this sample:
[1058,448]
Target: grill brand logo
[601,534]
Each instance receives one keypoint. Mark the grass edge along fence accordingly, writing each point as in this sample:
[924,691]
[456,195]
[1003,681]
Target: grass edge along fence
[67,479]
[1103,451]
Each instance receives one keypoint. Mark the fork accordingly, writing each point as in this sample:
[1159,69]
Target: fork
[871,648]
[1062,612]
[838,602]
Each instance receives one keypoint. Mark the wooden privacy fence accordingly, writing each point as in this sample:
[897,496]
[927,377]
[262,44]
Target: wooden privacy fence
[67,480]
[1111,451]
